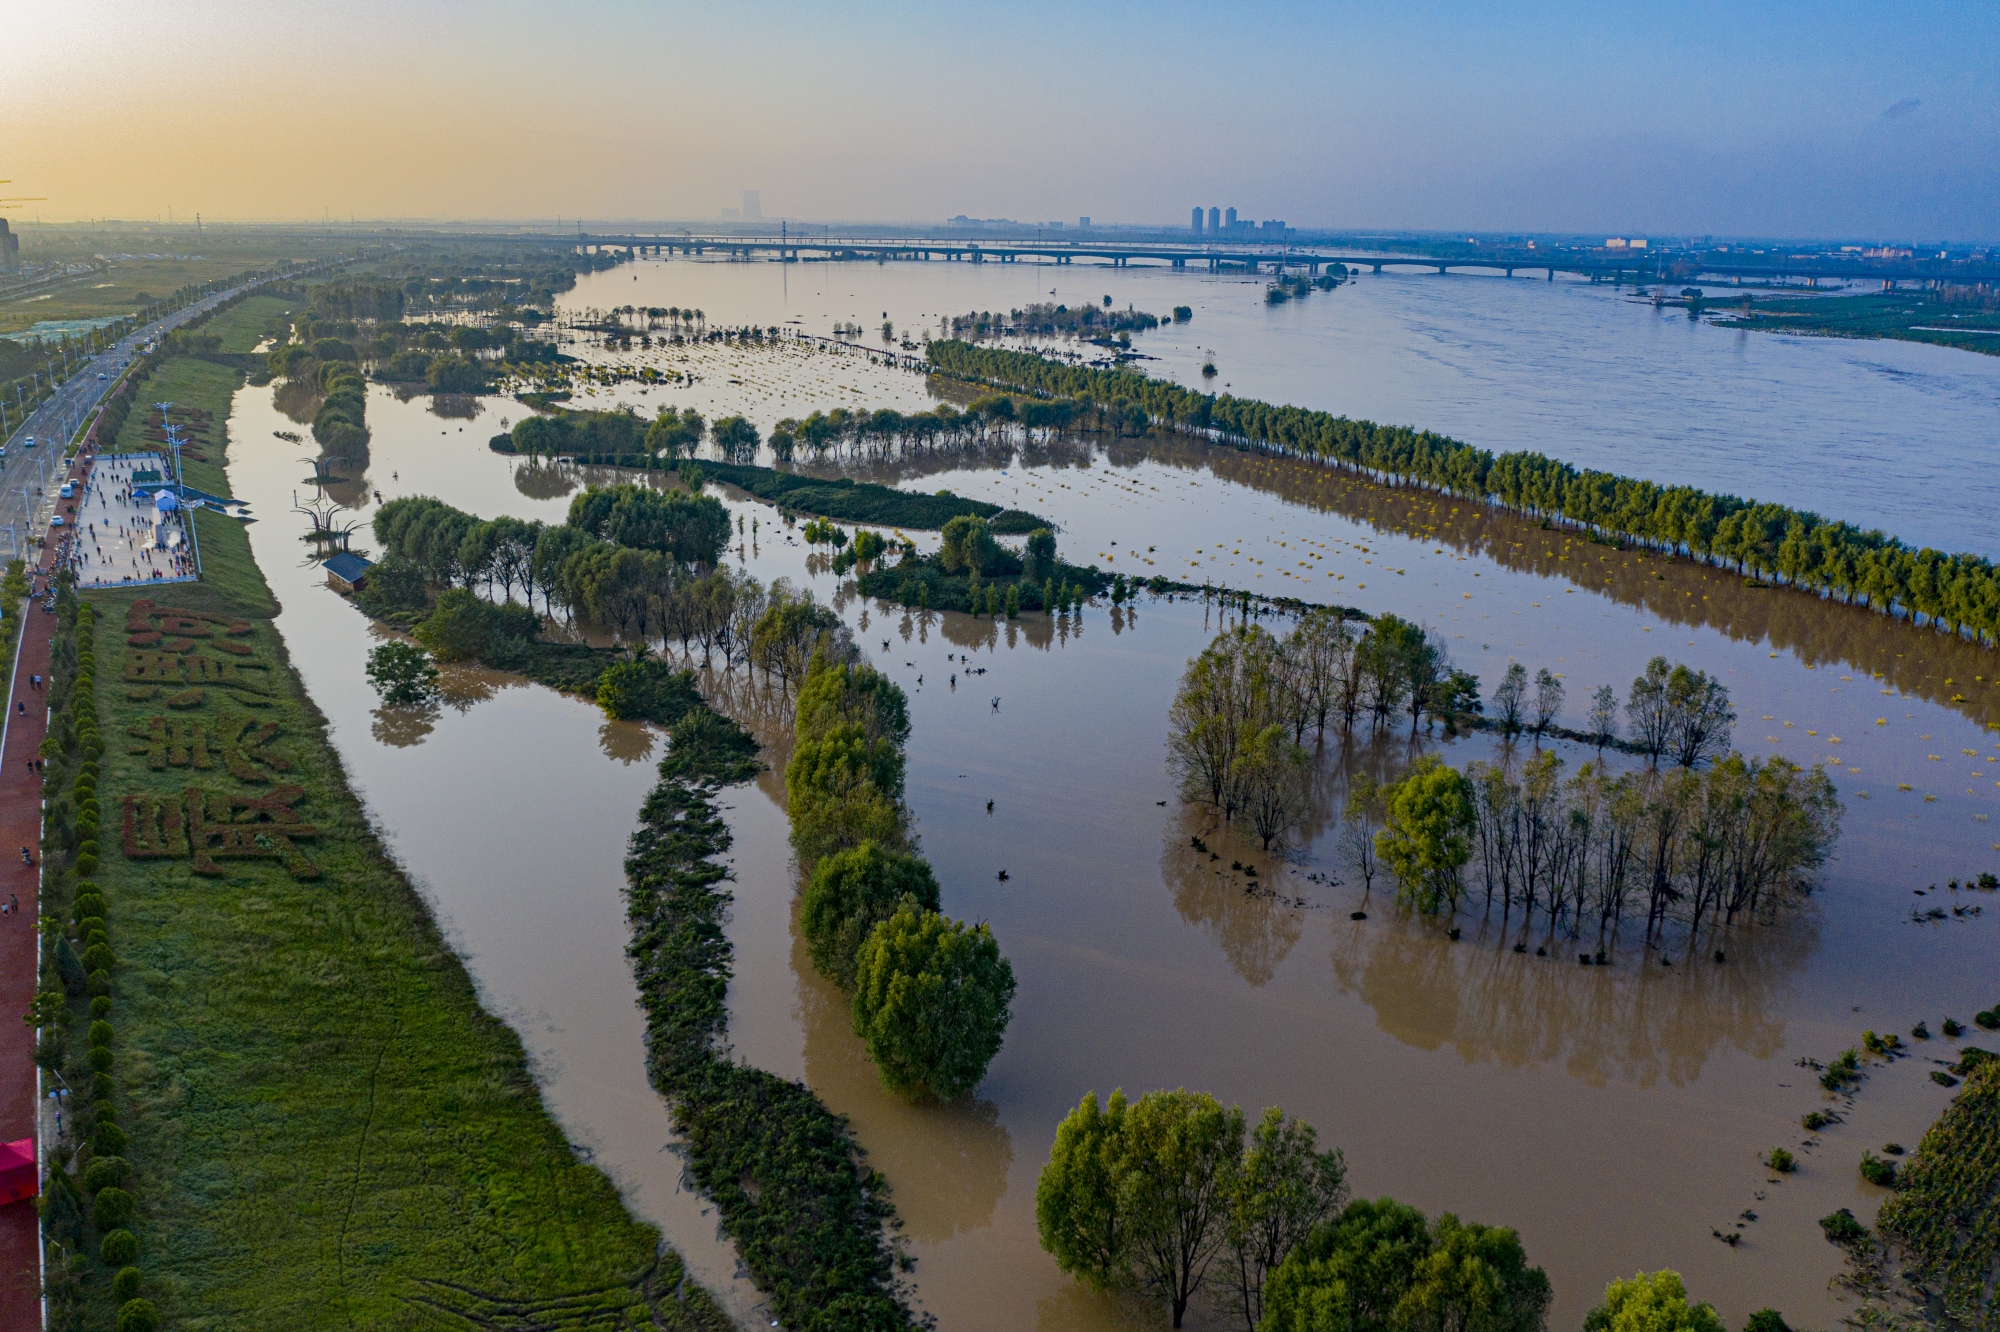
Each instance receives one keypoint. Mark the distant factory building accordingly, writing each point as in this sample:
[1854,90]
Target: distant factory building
[1083,222]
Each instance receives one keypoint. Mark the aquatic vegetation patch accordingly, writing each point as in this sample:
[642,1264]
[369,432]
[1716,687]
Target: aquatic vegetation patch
[865,502]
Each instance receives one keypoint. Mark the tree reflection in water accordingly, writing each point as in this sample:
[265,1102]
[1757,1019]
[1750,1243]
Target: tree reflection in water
[403,727]
[1635,1020]
[947,1161]
[538,480]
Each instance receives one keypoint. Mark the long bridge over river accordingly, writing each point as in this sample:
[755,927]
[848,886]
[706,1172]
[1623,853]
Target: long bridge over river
[1635,265]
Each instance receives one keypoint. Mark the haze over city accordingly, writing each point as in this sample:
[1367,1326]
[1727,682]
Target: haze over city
[1791,119]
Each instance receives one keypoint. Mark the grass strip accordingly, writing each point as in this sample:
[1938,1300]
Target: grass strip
[323,1126]
[1944,1219]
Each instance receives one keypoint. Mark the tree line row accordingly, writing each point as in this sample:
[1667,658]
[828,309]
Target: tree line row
[931,994]
[1959,591]
[1742,838]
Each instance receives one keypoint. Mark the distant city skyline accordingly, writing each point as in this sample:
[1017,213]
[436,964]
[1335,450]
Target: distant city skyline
[1788,119]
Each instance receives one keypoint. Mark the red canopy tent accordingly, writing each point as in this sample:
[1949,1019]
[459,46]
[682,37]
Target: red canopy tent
[18,1177]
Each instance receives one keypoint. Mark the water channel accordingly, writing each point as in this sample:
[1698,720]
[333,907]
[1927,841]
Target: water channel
[1615,1116]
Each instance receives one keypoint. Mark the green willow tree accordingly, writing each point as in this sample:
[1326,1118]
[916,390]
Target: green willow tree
[1427,836]
[1651,1302]
[931,999]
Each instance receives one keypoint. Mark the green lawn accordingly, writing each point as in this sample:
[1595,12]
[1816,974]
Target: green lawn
[242,324]
[119,291]
[325,1127]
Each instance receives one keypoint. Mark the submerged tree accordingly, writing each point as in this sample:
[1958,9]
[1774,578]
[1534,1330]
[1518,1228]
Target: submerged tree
[1427,838]
[931,999]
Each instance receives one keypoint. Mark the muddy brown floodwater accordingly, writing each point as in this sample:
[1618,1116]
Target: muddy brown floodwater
[1614,1115]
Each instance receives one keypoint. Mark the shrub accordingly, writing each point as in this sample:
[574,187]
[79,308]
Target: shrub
[87,863]
[125,1286]
[395,583]
[849,895]
[112,1209]
[99,957]
[100,1006]
[402,673]
[1782,1161]
[101,1032]
[1878,1171]
[464,626]
[98,982]
[1988,1019]
[1921,1031]
[105,1172]
[931,1000]
[1817,1120]
[1841,1228]
[138,1316]
[1766,1320]
[119,1248]
[100,1058]
[1951,1027]
[107,1139]
[649,690]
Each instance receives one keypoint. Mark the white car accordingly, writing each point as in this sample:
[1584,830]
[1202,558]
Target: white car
[31,442]
[56,521]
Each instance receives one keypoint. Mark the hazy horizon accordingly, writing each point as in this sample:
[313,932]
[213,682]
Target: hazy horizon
[1791,121]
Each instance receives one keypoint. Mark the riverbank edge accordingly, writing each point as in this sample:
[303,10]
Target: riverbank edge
[809,1219]
[1808,553]
[486,1075]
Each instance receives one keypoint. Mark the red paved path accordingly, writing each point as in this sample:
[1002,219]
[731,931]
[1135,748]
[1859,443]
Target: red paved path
[20,825]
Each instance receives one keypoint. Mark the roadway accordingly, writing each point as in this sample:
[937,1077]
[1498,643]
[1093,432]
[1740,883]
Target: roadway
[25,471]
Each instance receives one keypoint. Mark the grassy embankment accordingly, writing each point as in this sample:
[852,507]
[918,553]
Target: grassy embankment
[1907,316]
[241,326]
[1939,1234]
[127,285]
[324,1126]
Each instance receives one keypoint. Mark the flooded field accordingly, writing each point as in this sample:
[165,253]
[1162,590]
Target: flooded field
[1883,434]
[1614,1115]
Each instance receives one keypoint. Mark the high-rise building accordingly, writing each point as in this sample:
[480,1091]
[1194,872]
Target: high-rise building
[1197,222]
[1215,219]
[753,207]
[1229,219]
[10,248]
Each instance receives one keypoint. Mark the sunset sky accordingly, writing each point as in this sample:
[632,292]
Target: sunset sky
[1785,119]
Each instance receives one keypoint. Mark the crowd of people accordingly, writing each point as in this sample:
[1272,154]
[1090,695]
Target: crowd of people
[120,538]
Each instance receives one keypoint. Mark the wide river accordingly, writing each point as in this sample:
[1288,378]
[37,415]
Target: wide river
[1615,1116]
